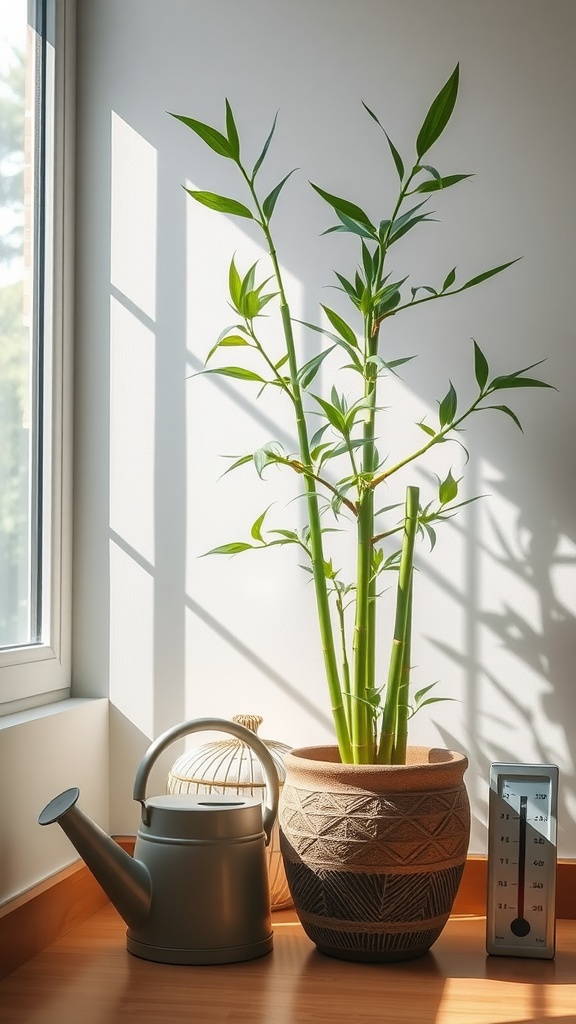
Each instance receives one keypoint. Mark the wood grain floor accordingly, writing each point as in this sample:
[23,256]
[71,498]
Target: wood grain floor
[87,977]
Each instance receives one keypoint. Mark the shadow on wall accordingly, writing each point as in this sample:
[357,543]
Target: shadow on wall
[536,641]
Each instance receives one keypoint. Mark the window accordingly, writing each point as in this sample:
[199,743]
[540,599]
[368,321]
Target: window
[36,90]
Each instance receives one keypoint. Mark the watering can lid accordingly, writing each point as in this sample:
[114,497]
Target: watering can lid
[202,817]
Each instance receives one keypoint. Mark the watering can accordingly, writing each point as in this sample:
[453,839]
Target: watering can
[196,890]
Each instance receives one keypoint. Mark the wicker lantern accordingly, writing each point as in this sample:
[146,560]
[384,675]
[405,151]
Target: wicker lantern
[230,766]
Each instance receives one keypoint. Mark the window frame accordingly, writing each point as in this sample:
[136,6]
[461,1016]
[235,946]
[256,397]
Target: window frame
[40,673]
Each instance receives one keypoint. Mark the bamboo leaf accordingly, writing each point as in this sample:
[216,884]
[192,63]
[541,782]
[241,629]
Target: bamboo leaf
[367,262]
[272,452]
[422,218]
[270,201]
[316,452]
[333,415]
[336,339]
[239,372]
[399,222]
[232,132]
[390,289]
[345,207]
[422,693]
[340,325]
[481,369]
[423,288]
[229,340]
[289,536]
[388,304]
[431,170]
[347,287]
[256,530]
[220,203]
[247,286]
[316,439]
[352,226]
[213,138]
[393,363]
[395,154]
[488,273]
[431,535]
[230,549]
[333,452]
[263,300]
[307,373]
[234,285]
[511,381]
[448,489]
[427,430]
[525,369]
[508,411]
[251,305]
[239,462]
[448,407]
[260,159]
[436,184]
[449,280]
[433,700]
[438,115]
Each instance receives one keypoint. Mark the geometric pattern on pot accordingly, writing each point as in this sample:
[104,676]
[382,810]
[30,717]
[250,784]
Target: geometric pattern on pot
[380,917]
[399,830]
[379,898]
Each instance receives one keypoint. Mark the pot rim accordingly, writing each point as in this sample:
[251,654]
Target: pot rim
[428,768]
[417,757]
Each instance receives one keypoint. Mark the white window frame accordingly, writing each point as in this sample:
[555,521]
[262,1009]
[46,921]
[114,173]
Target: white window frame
[40,673]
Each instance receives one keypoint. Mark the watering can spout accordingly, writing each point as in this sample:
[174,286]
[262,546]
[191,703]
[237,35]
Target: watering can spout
[125,881]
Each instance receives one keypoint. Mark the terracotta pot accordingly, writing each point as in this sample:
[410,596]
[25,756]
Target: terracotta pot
[374,853]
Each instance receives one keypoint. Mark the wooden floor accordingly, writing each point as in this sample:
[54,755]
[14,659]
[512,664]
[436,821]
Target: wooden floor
[87,977]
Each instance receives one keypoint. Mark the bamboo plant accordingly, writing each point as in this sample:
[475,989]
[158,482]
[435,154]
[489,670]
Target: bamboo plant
[370,712]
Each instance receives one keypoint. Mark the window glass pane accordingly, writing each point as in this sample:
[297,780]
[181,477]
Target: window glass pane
[21,217]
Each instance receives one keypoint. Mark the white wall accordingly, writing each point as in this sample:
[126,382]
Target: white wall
[169,635]
[42,753]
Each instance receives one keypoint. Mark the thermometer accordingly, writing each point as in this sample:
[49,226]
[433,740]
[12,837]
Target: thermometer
[521,912]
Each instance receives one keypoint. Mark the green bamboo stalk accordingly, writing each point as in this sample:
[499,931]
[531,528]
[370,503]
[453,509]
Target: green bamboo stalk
[316,546]
[400,627]
[361,745]
[345,662]
[314,523]
[364,624]
[401,738]
[371,660]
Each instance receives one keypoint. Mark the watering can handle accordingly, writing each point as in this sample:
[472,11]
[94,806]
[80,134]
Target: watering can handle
[219,725]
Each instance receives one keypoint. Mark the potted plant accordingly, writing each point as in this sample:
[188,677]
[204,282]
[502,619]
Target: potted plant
[374,832]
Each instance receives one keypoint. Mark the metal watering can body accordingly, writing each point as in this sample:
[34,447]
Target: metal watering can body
[196,890]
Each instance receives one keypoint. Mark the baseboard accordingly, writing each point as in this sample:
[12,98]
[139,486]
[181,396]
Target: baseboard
[32,921]
[38,917]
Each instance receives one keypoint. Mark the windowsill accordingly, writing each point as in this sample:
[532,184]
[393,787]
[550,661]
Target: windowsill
[44,711]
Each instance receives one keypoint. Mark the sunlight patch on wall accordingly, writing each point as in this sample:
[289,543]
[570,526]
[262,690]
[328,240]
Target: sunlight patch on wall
[132,426]
[133,270]
[134,190]
[131,639]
